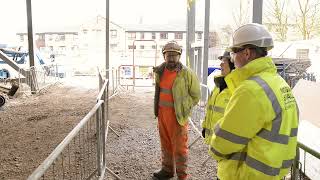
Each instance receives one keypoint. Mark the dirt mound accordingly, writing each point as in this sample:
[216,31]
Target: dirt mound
[32,126]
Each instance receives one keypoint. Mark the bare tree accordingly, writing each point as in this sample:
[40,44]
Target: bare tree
[277,17]
[307,17]
[241,16]
[226,34]
[214,39]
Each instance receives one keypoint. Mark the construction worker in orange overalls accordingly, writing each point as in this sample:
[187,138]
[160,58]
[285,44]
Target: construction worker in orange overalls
[177,90]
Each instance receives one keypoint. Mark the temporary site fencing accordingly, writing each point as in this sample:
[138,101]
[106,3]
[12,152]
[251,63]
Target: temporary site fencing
[198,115]
[81,155]
[36,78]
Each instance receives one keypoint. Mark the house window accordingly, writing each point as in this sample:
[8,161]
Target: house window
[61,38]
[21,38]
[153,35]
[153,46]
[113,33]
[141,46]
[142,36]
[132,35]
[41,36]
[112,46]
[49,37]
[85,31]
[131,47]
[302,53]
[178,35]
[199,36]
[163,35]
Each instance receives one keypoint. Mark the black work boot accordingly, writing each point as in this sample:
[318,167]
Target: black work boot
[162,174]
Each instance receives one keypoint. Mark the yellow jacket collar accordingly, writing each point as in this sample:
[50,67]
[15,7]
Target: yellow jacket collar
[263,64]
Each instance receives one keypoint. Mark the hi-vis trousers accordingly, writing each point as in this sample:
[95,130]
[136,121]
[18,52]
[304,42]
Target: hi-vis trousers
[174,141]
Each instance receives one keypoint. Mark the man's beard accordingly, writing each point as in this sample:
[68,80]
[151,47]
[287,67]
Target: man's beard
[171,66]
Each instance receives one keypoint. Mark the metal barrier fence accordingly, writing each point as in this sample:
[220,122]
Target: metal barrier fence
[40,77]
[78,156]
[135,76]
[81,155]
[114,80]
[199,112]
[299,172]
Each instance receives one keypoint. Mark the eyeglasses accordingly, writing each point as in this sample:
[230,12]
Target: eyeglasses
[234,51]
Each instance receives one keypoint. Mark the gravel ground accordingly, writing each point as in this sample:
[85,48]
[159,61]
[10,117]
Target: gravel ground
[32,126]
[136,153]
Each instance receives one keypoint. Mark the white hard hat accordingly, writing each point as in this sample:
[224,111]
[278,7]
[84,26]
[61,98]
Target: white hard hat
[252,34]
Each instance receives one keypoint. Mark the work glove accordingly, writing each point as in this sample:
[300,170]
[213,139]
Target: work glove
[203,133]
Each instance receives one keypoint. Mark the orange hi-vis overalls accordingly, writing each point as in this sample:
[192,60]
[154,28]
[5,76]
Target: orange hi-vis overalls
[173,136]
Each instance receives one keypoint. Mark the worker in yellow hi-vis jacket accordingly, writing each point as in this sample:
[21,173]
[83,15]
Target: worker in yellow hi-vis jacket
[257,136]
[218,99]
[177,90]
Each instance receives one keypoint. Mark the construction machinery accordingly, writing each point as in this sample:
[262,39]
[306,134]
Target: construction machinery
[293,69]
[7,90]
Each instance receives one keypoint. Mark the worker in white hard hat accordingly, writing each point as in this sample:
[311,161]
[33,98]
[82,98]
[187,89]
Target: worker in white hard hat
[257,136]
[177,90]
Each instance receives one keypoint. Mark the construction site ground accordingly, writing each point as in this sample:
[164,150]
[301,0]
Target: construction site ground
[32,126]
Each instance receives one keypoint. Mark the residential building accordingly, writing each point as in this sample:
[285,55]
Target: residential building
[53,41]
[143,43]
[85,42]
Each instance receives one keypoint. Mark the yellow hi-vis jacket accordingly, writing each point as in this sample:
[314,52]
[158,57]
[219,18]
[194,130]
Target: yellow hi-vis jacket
[214,110]
[185,92]
[257,136]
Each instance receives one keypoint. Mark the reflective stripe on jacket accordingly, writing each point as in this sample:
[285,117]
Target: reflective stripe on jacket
[214,111]
[257,137]
[185,90]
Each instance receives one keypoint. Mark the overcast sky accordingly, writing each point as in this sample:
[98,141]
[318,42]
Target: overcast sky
[49,13]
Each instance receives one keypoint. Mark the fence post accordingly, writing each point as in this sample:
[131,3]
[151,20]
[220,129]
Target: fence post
[100,81]
[98,134]
[117,78]
[103,128]
[295,166]
[113,81]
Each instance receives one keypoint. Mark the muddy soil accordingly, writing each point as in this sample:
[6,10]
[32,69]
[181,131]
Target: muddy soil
[31,127]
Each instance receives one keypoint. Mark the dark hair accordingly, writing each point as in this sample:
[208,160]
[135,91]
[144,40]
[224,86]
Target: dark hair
[260,51]
[231,64]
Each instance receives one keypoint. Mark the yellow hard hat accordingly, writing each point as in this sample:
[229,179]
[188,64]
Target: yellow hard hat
[172,46]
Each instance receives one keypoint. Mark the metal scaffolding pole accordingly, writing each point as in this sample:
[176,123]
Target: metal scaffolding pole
[199,63]
[107,39]
[30,41]
[191,19]
[257,11]
[206,42]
